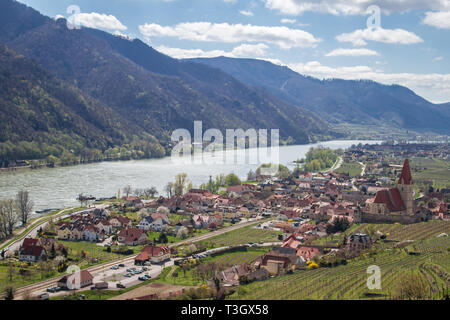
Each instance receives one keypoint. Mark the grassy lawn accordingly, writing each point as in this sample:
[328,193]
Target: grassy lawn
[241,236]
[224,260]
[353,169]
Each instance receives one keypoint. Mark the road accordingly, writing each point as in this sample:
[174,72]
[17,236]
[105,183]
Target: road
[33,232]
[336,166]
[40,287]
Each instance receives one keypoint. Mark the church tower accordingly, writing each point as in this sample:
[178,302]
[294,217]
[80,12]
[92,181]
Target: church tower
[405,186]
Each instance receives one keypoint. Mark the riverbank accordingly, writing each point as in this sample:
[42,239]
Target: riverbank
[59,187]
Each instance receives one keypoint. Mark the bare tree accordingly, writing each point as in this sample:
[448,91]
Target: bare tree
[25,205]
[150,192]
[169,189]
[127,190]
[8,217]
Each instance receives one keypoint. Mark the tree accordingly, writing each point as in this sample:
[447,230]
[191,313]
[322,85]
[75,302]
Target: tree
[11,271]
[179,186]
[9,293]
[8,217]
[174,276]
[251,176]
[169,189]
[182,233]
[25,205]
[150,192]
[232,180]
[127,190]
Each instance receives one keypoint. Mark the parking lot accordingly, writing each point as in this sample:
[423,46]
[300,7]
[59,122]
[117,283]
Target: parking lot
[119,277]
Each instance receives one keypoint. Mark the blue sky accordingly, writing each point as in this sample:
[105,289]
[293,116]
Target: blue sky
[321,38]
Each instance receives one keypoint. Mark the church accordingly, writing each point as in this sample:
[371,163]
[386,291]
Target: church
[395,204]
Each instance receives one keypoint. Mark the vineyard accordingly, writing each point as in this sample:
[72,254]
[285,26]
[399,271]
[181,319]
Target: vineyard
[431,258]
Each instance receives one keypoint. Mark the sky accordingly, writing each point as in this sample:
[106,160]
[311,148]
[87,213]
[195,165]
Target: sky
[404,42]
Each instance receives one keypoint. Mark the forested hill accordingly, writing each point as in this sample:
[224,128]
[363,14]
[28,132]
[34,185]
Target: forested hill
[153,92]
[340,101]
[43,117]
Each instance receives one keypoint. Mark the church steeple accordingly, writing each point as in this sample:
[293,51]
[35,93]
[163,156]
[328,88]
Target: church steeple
[405,186]
[405,177]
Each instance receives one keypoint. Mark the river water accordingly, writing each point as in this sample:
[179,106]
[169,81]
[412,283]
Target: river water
[59,187]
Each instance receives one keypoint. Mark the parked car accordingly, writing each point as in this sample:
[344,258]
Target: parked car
[128,275]
[142,278]
[120,286]
[121,265]
[114,267]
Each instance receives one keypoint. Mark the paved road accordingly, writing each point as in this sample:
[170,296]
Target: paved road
[37,288]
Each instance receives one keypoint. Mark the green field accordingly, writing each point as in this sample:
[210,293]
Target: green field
[434,170]
[241,236]
[224,260]
[352,169]
[349,281]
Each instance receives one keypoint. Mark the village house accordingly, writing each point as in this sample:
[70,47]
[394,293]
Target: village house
[32,251]
[76,280]
[120,222]
[358,242]
[132,236]
[154,254]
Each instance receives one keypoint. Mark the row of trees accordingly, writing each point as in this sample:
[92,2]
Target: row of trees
[150,192]
[13,211]
[41,154]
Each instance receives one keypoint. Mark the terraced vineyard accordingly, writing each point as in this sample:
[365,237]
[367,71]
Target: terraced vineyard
[417,231]
[349,281]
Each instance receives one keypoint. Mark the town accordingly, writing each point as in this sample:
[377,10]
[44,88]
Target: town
[236,239]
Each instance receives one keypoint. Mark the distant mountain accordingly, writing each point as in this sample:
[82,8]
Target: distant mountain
[152,91]
[43,116]
[340,101]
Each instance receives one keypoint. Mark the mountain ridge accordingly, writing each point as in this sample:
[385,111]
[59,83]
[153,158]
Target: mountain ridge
[337,100]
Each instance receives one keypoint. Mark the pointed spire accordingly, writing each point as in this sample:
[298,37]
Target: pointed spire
[405,177]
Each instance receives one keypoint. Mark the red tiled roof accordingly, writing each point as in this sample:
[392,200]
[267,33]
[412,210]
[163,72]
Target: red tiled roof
[154,251]
[391,198]
[405,177]
[29,242]
[34,251]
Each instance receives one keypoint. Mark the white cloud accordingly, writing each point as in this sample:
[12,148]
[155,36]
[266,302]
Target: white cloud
[351,7]
[439,20]
[250,50]
[290,21]
[398,36]
[284,37]
[433,86]
[247,13]
[438,59]
[98,21]
[230,1]
[352,53]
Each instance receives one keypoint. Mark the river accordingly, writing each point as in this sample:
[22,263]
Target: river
[59,187]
